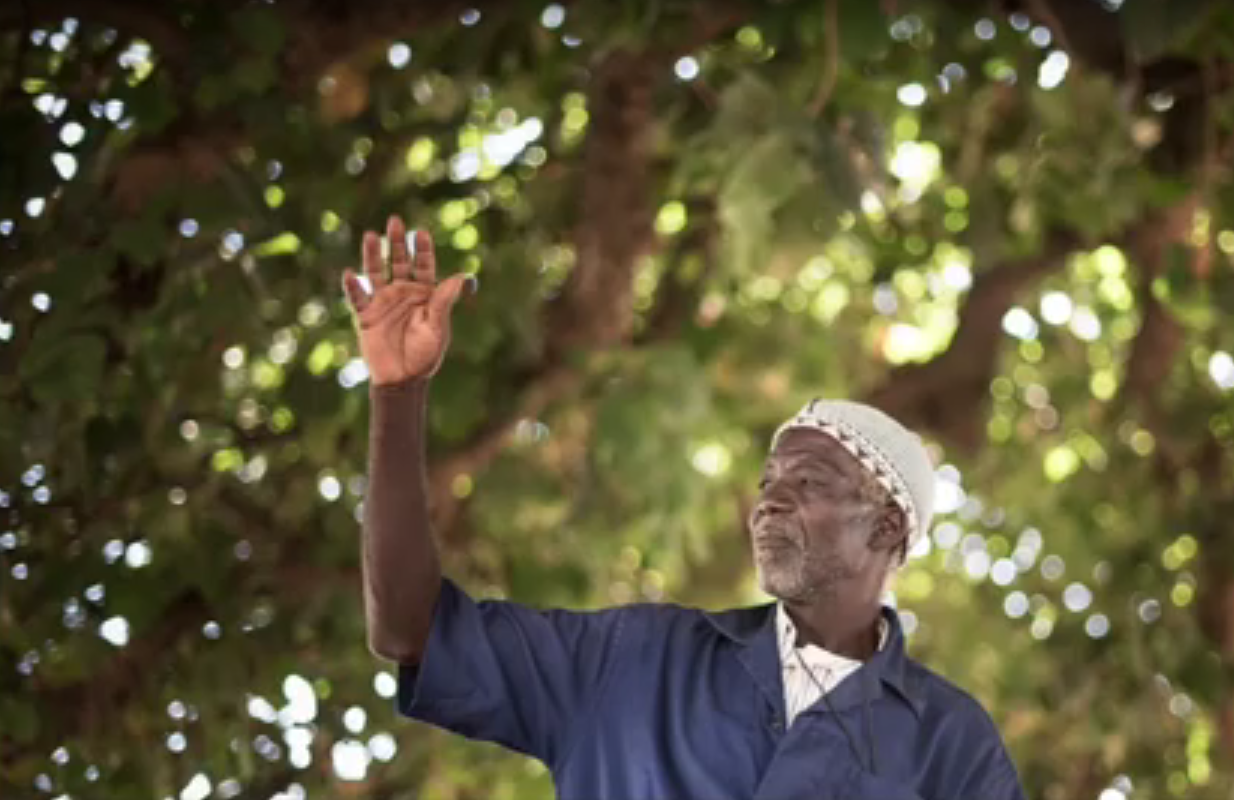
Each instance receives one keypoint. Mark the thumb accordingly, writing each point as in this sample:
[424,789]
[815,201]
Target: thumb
[446,295]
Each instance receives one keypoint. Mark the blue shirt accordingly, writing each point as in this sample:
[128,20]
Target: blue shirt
[663,702]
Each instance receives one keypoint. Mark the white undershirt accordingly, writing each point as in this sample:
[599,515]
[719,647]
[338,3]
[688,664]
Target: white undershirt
[800,690]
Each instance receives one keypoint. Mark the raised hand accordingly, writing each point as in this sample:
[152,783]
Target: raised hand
[405,323]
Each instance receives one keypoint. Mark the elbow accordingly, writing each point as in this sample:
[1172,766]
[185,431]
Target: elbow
[393,649]
[398,628]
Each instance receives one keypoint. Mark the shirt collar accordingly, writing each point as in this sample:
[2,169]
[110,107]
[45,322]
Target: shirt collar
[786,633]
[754,627]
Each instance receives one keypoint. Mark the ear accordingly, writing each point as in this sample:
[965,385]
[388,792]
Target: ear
[890,530]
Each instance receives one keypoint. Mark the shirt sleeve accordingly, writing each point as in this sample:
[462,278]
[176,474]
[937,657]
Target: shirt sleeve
[505,673]
[864,786]
[996,780]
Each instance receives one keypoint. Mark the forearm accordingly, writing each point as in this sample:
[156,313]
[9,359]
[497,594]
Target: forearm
[402,572]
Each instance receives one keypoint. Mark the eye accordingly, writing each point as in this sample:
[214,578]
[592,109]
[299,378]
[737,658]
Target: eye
[811,482]
[763,483]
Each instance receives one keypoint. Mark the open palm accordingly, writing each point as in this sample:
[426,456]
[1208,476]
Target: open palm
[404,324]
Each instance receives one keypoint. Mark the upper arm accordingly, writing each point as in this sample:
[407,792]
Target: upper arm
[996,779]
[993,775]
[509,674]
[968,760]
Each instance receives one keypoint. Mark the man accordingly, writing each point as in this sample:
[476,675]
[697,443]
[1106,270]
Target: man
[811,696]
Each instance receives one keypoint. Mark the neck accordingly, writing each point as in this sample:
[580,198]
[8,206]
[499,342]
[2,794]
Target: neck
[845,626]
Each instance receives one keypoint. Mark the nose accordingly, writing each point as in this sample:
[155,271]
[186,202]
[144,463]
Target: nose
[770,503]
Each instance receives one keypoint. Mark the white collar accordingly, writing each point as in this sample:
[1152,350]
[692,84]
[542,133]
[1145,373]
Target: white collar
[815,656]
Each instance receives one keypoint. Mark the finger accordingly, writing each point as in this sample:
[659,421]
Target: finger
[446,295]
[356,296]
[400,259]
[371,252]
[425,266]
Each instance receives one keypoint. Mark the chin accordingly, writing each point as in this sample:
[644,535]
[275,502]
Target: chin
[780,583]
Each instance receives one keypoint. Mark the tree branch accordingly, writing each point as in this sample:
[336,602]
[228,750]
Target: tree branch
[711,21]
[90,706]
[1155,350]
[679,293]
[1160,336]
[615,227]
[545,386]
[87,707]
[596,310]
[945,394]
[596,306]
[831,57]
[1090,32]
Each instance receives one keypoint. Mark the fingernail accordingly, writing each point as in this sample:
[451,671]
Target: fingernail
[410,238]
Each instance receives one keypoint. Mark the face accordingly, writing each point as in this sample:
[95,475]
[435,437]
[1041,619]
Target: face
[821,520]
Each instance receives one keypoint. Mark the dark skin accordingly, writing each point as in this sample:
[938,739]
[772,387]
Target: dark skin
[837,539]
[825,536]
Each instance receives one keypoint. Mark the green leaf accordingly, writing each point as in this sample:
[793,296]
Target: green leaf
[863,30]
[259,28]
[154,102]
[283,244]
[1154,28]
[142,239]
[255,75]
[65,369]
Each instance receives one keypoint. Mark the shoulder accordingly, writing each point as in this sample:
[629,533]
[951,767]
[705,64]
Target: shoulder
[953,716]
[665,618]
[645,618]
[686,625]
[941,700]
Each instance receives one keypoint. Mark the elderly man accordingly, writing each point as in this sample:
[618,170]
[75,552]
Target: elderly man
[810,696]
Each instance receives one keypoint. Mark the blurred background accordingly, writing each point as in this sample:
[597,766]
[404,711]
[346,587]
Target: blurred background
[1011,224]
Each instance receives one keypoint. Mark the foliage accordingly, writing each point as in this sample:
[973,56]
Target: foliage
[1014,231]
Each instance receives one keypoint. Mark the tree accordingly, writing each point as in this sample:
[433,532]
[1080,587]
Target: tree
[1008,223]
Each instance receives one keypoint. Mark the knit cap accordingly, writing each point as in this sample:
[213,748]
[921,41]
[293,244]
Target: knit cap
[894,455]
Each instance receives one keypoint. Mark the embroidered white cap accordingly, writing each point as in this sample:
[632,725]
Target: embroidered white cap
[893,454]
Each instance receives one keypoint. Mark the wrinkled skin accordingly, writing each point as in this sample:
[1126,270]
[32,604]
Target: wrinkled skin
[404,323]
[824,536]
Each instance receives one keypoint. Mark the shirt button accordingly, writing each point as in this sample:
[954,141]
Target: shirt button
[777,725]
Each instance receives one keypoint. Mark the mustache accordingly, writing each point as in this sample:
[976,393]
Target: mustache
[771,533]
